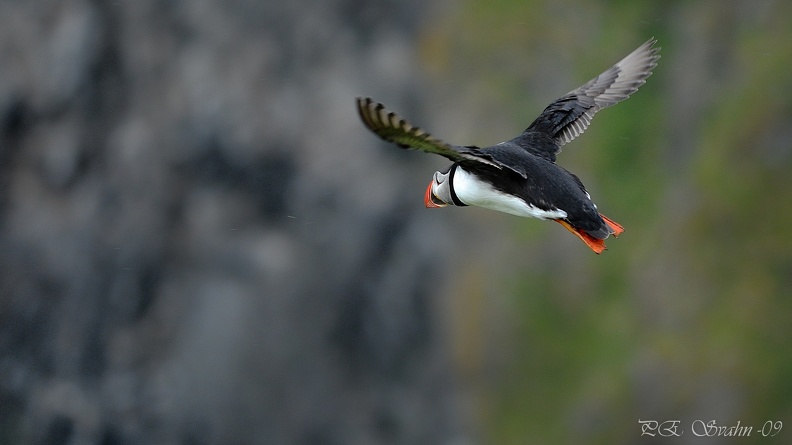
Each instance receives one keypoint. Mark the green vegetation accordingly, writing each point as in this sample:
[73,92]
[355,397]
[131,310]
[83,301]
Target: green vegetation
[689,315]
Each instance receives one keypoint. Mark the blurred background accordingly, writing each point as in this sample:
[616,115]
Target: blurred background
[201,244]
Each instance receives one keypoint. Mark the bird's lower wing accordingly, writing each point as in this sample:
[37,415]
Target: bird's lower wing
[393,128]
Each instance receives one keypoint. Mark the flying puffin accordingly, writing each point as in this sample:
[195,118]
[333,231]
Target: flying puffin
[520,176]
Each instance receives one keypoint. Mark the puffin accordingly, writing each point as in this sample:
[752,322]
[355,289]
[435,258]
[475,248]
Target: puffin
[520,176]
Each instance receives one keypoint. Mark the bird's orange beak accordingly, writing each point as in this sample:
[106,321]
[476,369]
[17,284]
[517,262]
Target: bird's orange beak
[429,200]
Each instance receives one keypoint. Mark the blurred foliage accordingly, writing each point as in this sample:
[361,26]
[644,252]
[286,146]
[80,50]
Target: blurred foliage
[687,316]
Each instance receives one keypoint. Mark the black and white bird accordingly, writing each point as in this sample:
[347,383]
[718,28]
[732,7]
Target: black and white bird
[520,176]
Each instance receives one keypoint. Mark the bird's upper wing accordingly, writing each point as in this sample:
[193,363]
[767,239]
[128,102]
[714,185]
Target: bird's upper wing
[570,115]
[392,128]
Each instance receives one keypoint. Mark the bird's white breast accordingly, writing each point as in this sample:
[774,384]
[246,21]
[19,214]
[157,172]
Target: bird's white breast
[475,192]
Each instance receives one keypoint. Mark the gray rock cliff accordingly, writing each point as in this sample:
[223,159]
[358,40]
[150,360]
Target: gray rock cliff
[199,242]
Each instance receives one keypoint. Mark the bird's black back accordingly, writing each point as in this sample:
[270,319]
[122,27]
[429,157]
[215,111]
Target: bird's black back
[546,185]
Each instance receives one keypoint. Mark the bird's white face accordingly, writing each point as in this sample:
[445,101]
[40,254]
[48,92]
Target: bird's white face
[438,193]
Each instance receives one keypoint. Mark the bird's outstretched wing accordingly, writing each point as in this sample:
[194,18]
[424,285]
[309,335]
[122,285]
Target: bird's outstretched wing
[570,115]
[393,128]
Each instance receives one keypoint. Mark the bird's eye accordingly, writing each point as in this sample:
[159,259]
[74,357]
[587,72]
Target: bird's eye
[439,178]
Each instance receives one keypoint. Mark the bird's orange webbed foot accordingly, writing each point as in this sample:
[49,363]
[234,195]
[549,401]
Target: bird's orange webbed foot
[597,245]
